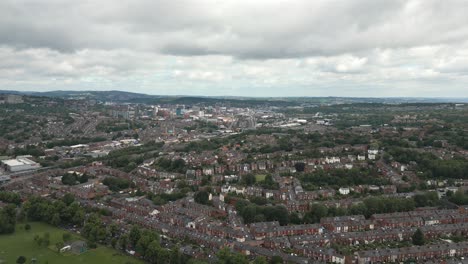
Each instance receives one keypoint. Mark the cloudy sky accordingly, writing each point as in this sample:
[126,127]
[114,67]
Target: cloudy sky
[237,47]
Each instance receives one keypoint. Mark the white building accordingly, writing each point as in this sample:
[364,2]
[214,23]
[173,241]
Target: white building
[301,121]
[225,188]
[20,164]
[79,146]
[332,160]
[344,191]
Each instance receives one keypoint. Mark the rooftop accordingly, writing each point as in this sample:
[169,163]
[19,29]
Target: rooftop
[18,162]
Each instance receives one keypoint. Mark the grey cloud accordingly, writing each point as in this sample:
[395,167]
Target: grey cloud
[361,46]
[243,29]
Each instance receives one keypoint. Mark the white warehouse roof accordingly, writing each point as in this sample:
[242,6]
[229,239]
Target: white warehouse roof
[18,162]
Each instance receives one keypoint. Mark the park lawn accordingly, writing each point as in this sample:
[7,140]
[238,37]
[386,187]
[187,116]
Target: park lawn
[260,177]
[21,243]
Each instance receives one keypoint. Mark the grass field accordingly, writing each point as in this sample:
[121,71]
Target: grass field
[22,243]
[260,177]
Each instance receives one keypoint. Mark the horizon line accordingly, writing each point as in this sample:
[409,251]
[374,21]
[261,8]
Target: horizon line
[254,96]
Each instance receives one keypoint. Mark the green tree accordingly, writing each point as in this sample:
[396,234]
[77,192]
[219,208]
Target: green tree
[248,213]
[202,197]
[418,238]
[260,260]
[134,235]
[426,199]
[114,242]
[69,179]
[94,230]
[117,184]
[276,260]
[153,252]
[9,197]
[300,166]
[295,219]
[317,211]
[123,242]
[68,198]
[277,213]
[142,244]
[249,179]
[83,178]
[459,198]
[21,260]
[7,219]
[112,230]
[78,217]
[56,219]
[59,245]
[225,256]
[177,257]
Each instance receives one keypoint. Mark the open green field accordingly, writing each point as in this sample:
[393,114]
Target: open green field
[260,177]
[22,243]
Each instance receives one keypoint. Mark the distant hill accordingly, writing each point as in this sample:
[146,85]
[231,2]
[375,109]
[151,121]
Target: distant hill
[10,92]
[129,97]
[238,102]
[118,96]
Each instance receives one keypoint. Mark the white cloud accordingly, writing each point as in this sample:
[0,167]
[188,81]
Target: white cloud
[237,46]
